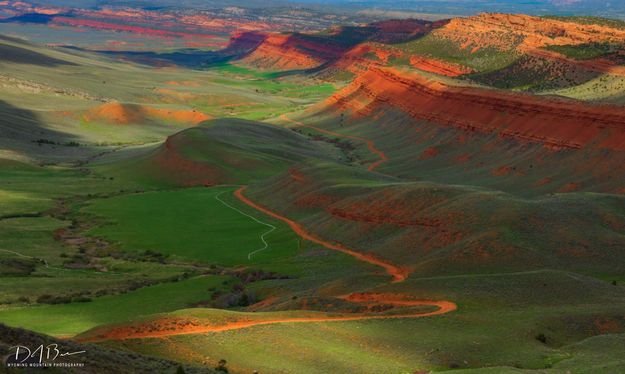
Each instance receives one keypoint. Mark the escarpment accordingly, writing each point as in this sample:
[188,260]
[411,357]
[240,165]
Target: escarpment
[556,123]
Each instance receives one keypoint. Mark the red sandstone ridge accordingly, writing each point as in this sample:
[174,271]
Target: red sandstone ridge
[344,47]
[555,123]
[286,52]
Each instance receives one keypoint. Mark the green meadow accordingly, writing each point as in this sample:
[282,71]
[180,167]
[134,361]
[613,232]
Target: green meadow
[73,318]
[211,231]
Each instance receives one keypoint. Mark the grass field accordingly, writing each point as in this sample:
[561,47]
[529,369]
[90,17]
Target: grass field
[585,51]
[70,319]
[211,232]
[484,60]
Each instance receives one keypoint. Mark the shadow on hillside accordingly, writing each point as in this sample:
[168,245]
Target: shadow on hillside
[38,18]
[335,43]
[383,32]
[23,132]
[100,360]
[239,47]
[13,54]
[327,46]
[530,76]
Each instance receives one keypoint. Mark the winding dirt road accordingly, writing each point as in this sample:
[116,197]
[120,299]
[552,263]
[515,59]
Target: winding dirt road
[171,326]
[370,144]
[160,328]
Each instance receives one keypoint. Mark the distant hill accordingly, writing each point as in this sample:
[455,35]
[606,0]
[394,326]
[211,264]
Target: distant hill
[467,7]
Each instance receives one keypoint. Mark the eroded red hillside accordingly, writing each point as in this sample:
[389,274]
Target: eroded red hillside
[505,31]
[123,114]
[285,52]
[344,47]
[530,35]
[555,123]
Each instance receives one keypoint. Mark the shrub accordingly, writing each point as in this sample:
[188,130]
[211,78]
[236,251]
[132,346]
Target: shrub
[541,338]
[221,366]
[81,299]
[49,299]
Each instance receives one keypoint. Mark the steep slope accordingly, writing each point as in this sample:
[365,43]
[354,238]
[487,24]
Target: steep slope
[286,52]
[452,134]
[307,51]
[435,102]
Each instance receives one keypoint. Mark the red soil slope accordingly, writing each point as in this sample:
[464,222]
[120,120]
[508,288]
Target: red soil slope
[354,48]
[299,51]
[171,162]
[555,123]
[286,52]
[123,114]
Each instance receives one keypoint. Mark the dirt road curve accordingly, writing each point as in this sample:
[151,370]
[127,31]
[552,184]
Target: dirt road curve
[159,329]
[399,274]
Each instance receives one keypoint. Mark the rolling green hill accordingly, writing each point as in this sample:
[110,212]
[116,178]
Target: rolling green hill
[226,151]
